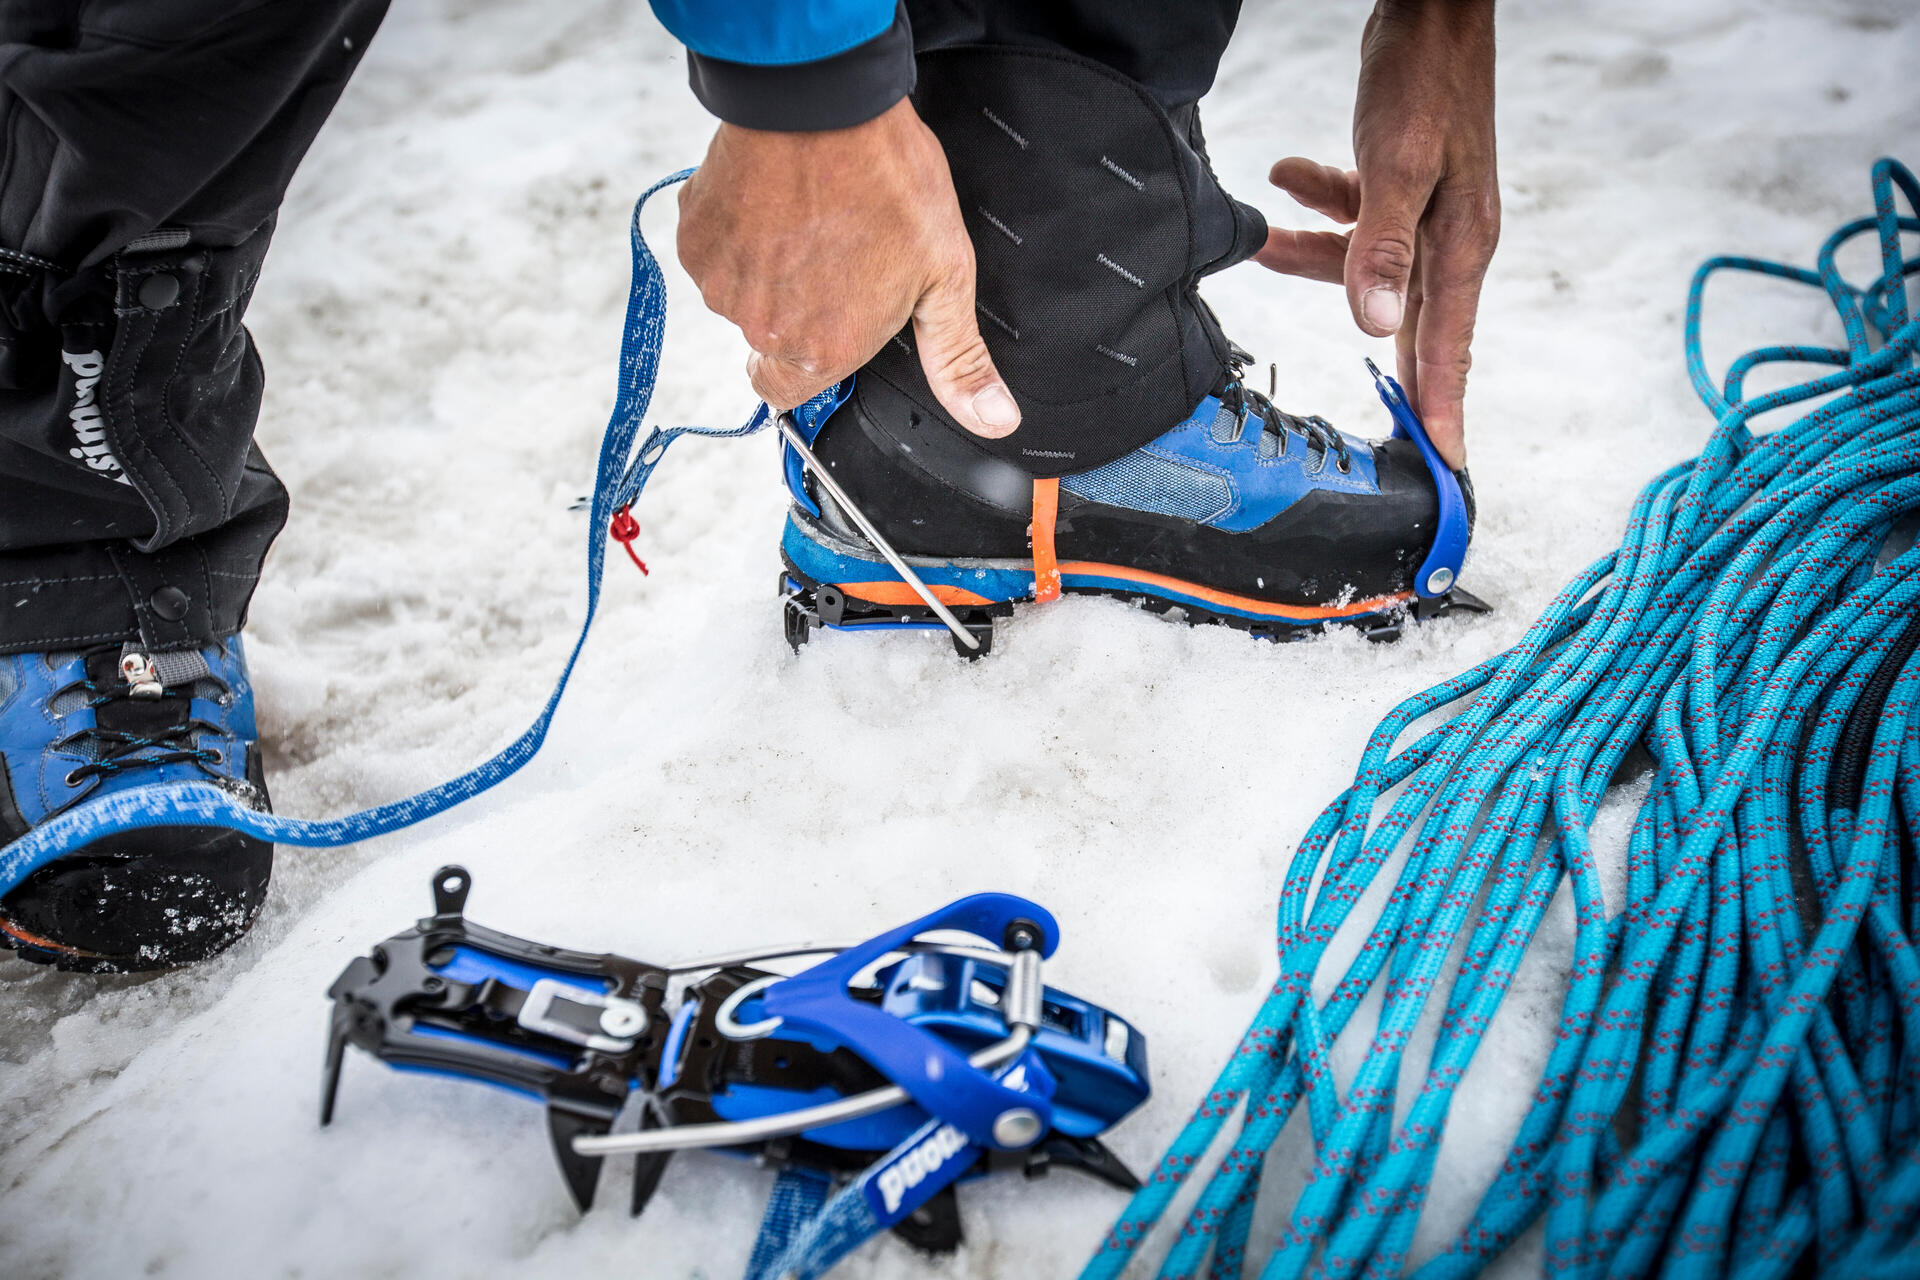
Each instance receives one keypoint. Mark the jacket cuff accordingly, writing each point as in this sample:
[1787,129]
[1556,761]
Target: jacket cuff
[834,93]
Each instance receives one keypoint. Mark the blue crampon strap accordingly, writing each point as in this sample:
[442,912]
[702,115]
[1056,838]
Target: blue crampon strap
[796,1200]
[796,1247]
[793,1247]
[621,474]
[1734,1087]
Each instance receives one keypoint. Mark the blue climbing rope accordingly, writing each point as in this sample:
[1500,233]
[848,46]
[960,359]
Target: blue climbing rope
[1734,1084]
[622,472]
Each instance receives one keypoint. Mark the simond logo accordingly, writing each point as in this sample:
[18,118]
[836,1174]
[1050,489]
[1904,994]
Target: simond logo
[914,1166]
[85,415]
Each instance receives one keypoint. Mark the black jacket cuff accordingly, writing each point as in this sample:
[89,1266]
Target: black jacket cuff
[834,93]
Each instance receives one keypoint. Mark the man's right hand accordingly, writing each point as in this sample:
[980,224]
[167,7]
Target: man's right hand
[821,246]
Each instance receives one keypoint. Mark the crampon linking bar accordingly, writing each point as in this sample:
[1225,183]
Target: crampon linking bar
[1734,1084]
[873,1081]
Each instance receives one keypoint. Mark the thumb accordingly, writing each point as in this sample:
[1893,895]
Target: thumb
[782,383]
[956,361]
[1380,257]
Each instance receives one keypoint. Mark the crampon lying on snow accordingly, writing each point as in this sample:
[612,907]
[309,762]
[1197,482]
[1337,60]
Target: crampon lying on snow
[873,1081]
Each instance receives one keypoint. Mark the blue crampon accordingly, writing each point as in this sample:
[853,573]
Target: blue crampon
[871,1091]
[1734,1088]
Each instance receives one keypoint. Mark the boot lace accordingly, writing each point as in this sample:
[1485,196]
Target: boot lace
[1322,438]
[115,751]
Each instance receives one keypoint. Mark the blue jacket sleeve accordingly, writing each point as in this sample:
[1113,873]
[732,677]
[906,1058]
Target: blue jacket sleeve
[794,65]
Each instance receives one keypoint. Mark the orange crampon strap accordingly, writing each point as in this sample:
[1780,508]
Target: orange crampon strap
[1046,565]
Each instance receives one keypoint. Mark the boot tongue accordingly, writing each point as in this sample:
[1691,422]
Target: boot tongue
[179,672]
[1273,435]
[1241,407]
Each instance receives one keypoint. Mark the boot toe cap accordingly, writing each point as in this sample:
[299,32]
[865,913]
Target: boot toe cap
[148,899]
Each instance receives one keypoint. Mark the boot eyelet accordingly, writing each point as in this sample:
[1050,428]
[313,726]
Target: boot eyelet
[1345,464]
[71,780]
[219,756]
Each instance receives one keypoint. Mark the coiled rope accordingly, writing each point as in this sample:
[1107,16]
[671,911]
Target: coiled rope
[1732,1086]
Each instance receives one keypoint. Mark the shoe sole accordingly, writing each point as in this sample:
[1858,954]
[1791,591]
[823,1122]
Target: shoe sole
[834,583]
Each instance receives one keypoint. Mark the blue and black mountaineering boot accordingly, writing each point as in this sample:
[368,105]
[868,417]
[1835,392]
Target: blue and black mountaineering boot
[1241,514]
[77,726]
[1144,466]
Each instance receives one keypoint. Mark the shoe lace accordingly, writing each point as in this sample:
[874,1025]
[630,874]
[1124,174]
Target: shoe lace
[1322,437]
[114,751]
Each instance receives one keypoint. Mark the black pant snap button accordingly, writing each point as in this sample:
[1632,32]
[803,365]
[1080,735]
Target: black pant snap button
[159,291]
[169,603]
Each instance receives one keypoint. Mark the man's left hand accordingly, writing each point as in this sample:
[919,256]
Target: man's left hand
[1424,200]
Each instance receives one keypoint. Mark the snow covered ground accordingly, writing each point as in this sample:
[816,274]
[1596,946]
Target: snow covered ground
[440,320]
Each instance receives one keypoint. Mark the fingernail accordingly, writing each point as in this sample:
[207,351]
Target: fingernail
[1383,308]
[996,410]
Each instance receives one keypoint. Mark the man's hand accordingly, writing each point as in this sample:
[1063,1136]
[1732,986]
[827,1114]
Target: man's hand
[1425,199]
[821,246]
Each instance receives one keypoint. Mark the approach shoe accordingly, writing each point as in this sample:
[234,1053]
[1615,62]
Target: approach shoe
[1242,514]
[82,725]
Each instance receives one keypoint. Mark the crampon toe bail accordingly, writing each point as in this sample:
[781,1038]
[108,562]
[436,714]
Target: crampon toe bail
[1440,570]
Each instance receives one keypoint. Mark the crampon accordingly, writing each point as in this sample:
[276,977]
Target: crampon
[874,1081]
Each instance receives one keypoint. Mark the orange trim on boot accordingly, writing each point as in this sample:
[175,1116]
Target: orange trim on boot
[1266,608]
[13,930]
[1046,565]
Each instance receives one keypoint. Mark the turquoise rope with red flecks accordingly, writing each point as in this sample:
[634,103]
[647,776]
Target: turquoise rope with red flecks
[1734,1083]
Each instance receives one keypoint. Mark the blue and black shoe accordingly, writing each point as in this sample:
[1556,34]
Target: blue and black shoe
[76,726]
[1143,467]
[1242,514]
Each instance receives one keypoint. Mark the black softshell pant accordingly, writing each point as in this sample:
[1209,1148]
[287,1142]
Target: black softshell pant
[145,147]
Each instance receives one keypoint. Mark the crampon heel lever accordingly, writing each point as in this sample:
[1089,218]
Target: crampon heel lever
[924,1068]
[963,636]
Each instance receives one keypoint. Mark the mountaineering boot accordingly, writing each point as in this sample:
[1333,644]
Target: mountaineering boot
[1144,466]
[82,725]
[1241,514]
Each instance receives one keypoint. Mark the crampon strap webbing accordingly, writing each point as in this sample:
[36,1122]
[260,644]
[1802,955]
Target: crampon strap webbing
[1734,1084]
[622,473]
[805,1231]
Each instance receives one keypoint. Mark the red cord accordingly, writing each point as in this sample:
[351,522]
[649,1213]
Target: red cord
[625,529]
